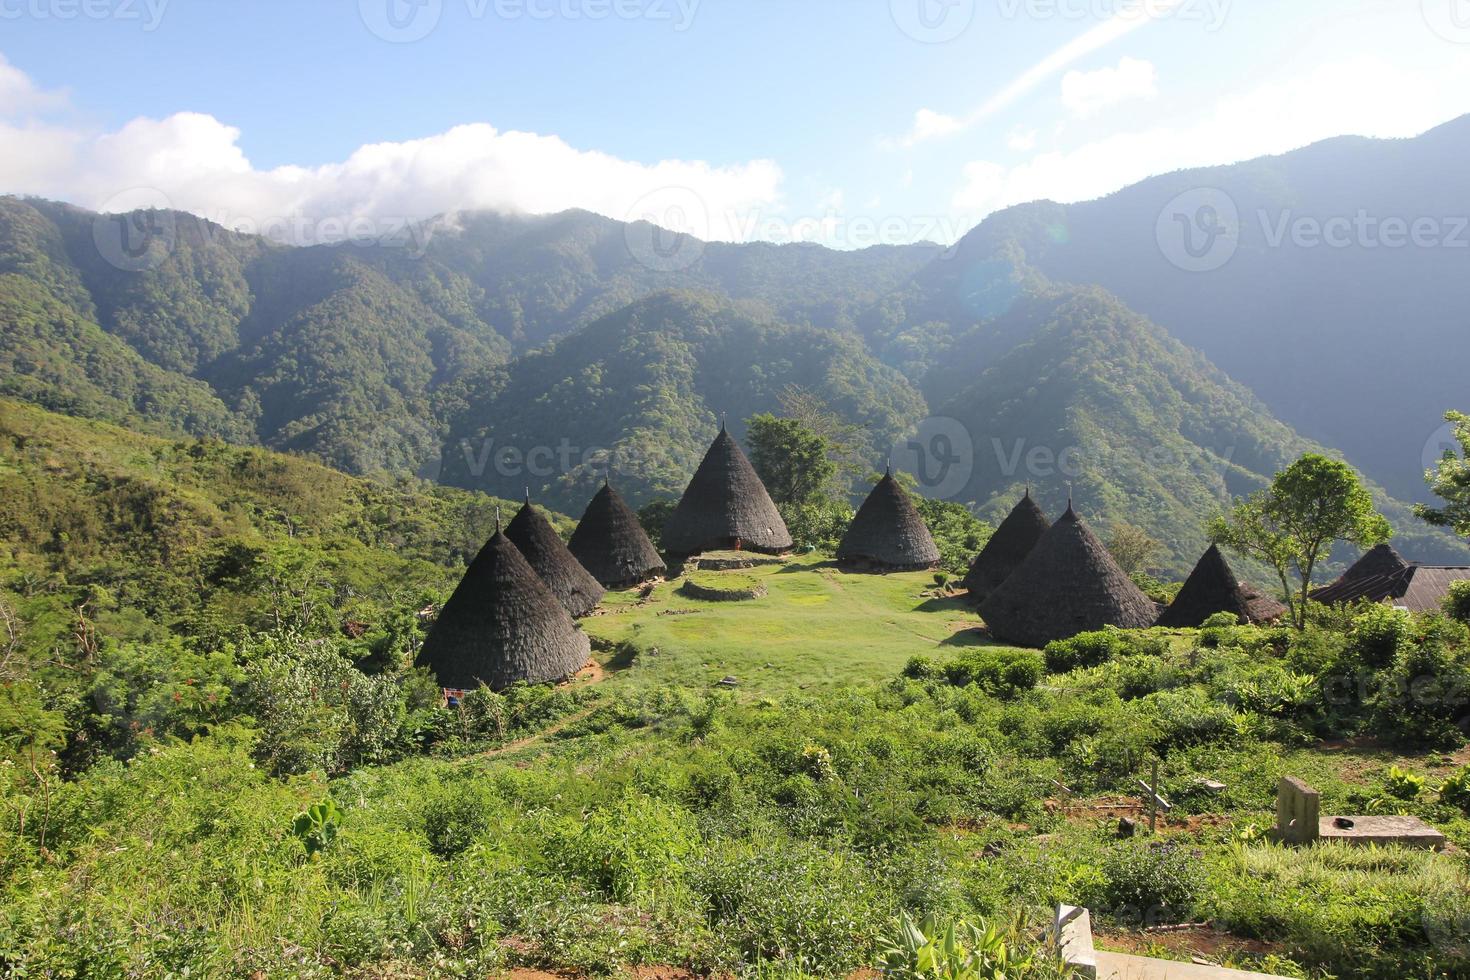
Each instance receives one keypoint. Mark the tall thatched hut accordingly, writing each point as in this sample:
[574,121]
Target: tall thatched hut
[887,534]
[725,506]
[502,626]
[1213,588]
[1007,548]
[544,551]
[611,544]
[1067,585]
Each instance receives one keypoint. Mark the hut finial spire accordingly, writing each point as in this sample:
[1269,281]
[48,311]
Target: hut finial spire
[528,496]
[888,470]
[722,421]
[497,518]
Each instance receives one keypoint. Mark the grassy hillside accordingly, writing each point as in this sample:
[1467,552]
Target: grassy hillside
[200,642]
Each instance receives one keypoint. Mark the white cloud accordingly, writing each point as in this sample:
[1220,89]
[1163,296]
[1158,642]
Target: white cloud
[1086,93]
[1021,140]
[197,164]
[20,97]
[929,124]
[1366,96]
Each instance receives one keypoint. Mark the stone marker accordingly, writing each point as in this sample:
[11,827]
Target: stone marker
[1299,821]
[1298,811]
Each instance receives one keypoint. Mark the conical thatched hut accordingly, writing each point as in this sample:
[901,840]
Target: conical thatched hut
[725,506]
[1069,584]
[502,625]
[1376,562]
[887,534]
[1007,548]
[1213,588]
[611,544]
[544,551]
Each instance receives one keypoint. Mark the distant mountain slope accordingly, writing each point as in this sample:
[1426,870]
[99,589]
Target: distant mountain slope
[1143,428]
[358,354]
[646,387]
[1360,346]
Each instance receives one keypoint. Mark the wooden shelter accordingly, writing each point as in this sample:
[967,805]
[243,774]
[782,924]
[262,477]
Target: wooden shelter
[502,626]
[611,544]
[544,551]
[725,507]
[1069,584]
[1007,548]
[1213,588]
[887,534]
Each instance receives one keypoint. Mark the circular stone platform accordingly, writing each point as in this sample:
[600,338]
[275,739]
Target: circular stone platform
[722,587]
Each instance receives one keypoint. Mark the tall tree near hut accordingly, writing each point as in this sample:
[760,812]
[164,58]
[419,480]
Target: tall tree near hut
[792,459]
[1450,481]
[1293,524]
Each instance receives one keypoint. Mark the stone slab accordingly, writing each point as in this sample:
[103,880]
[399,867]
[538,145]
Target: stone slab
[1383,830]
[1120,966]
[1072,931]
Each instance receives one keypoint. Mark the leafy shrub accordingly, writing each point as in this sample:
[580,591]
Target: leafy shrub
[1426,695]
[1150,883]
[996,671]
[1379,633]
[1083,650]
[777,898]
[1456,790]
[1403,784]
[930,950]
[317,826]
[458,814]
[1457,602]
[1220,620]
[922,668]
[634,847]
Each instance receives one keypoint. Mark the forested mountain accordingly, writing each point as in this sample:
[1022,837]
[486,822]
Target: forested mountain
[458,347]
[1323,303]
[643,391]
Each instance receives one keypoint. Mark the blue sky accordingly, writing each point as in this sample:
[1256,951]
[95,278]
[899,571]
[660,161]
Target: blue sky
[740,118]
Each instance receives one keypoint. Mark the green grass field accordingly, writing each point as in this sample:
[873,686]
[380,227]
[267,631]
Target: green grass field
[817,627]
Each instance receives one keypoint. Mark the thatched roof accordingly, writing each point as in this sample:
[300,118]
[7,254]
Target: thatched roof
[502,625]
[1067,585]
[888,532]
[1213,588]
[1007,548]
[1383,575]
[544,551]
[725,506]
[1379,560]
[611,544]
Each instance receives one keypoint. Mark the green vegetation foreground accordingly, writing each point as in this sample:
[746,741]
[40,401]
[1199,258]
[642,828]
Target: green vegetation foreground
[215,761]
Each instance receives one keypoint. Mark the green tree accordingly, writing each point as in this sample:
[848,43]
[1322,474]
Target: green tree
[793,460]
[1292,524]
[1450,481]
[1132,547]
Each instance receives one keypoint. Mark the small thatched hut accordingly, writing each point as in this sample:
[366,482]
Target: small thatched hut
[611,544]
[1213,588]
[887,534]
[725,506]
[544,551]
[1007,548]
[501,626]
[1069,584]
